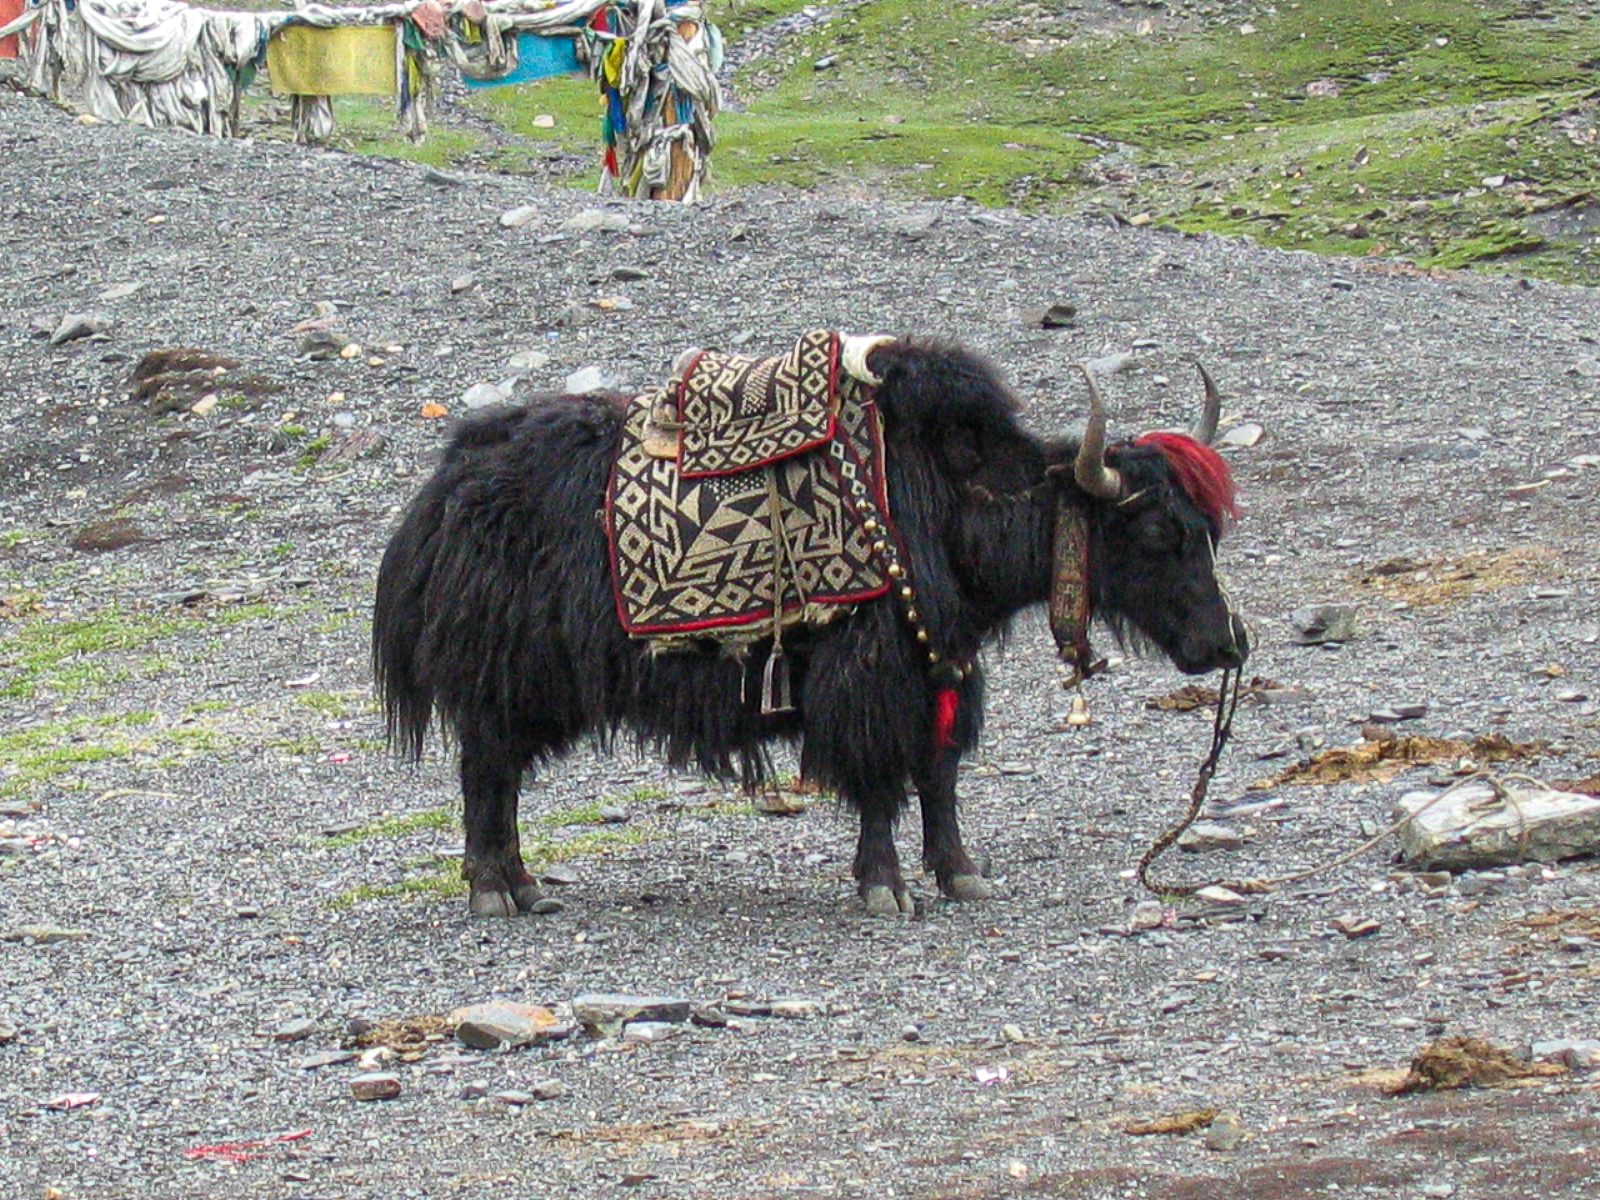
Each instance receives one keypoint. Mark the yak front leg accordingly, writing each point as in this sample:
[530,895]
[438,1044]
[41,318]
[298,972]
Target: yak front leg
[500,883]
[942,851]
[879,883]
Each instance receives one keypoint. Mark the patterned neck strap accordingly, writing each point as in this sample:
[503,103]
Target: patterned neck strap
[1069,593]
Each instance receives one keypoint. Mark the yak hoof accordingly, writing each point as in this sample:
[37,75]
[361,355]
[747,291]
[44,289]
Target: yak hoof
[881,900]
[492,902]
[968,887]
[526,895]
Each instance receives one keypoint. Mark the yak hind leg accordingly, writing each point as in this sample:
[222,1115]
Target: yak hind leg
[942,850]
[880,885]
[500,883]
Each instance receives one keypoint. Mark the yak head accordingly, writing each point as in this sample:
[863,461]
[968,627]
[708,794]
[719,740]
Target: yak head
[966,474]
[1155,508]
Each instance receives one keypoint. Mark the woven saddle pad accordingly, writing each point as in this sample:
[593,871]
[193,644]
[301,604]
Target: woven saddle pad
[730,506]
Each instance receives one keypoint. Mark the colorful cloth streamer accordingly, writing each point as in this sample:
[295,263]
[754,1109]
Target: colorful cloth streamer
[538,57]
[343,60]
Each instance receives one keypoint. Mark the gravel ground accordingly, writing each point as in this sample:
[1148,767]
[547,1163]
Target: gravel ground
[194,779]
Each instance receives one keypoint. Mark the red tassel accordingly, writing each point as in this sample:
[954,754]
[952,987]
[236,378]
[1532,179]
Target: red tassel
[946,705]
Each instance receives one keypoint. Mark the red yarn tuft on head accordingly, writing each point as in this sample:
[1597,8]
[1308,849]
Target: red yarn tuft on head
[1201,470]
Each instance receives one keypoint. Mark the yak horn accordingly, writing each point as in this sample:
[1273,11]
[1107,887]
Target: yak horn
[1090,470]
[1205,429]
[853,356]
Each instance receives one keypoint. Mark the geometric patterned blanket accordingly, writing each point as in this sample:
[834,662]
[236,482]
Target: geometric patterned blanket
[729,507]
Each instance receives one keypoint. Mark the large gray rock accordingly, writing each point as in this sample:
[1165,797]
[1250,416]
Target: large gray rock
[597,220]
[606,1013]
[503,1024]
[1471,827]
[1317,623]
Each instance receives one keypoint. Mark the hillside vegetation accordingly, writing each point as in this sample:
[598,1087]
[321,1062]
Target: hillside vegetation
[1449,134]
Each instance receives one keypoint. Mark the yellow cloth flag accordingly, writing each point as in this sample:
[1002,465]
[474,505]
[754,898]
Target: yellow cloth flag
[612,66]
[349,60]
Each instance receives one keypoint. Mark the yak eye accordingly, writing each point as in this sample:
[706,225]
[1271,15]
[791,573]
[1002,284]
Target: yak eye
[1160,531]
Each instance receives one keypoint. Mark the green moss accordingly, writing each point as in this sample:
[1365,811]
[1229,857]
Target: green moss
[1502,241]
[1215,131]
[333,622]
[398,825]
[334,705]
[367,126]
[47,754]
[66,655]
[436,885]
[312,451]
[445,882]
[237,614]
[547,850]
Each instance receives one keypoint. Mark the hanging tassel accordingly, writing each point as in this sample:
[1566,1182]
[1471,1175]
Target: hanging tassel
[946,705]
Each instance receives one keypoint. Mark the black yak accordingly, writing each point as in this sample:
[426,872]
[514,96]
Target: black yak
[496,613]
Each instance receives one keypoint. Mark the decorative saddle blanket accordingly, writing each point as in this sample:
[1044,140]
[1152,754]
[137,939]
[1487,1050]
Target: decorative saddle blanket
[739,496]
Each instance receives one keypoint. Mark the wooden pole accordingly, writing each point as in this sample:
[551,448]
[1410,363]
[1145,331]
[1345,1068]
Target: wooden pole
[680,171]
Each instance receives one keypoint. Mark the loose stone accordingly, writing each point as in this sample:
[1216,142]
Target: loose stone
[649,1032]
[604,1014]
[326,1058]
[505,1024]
[375,1085]
[1315,624]
[44,935]
[1205,836]
[596,220]
[798,1010]
[515,218]
[294,1031]
[1356,927]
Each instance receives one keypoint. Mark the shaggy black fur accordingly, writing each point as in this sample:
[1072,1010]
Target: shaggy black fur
[495,612]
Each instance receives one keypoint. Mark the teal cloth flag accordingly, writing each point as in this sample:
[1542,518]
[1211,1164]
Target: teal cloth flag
[537,58]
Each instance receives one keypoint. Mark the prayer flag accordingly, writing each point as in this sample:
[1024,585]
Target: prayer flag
[538,57]
[350,60]
[10,10]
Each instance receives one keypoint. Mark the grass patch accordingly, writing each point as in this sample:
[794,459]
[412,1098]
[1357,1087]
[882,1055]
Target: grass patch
[542,851]
[398,825]
[1341,127]
[367,126]
[47,754]
[65,655]
[436,885]
[334,706]
[539,850]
